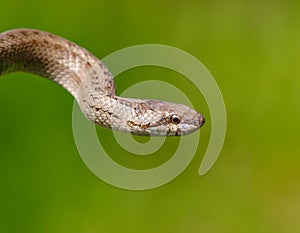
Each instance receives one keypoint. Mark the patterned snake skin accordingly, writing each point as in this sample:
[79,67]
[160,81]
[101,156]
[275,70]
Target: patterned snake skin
[92,85]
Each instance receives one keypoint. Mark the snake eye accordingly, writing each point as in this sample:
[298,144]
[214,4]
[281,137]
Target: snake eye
[175,119]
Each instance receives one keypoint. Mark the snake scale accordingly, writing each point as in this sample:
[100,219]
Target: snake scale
[92,85]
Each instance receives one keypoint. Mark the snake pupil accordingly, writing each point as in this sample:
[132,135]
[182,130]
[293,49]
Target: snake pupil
[175,119]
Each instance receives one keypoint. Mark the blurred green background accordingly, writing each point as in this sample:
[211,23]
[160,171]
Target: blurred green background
[251,47]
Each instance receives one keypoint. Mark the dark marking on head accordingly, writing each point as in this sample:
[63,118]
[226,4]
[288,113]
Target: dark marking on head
[76,79]
[142,126]
[45,41]
[12,36]
[58,47]
[88,66]
[102,66]
[26,64]
[145,126]
[107,73]
[51,36]
[162,121]
[70,43]
[73,54]
[130,124]
[34,42]
[24,33]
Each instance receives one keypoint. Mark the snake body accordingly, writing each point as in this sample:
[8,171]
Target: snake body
[92,85]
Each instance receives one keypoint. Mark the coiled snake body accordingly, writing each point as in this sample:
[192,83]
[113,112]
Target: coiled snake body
[92,85]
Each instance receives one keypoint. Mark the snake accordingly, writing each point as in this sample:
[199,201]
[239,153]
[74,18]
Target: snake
[92,85]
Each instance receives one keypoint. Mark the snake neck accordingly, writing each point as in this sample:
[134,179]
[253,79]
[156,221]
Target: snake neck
[117,113]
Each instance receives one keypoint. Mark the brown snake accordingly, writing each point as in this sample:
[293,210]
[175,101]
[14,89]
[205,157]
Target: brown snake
[92,85]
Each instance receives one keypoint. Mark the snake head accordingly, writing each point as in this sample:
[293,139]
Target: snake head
[168,119]
[147,117]
[184,121]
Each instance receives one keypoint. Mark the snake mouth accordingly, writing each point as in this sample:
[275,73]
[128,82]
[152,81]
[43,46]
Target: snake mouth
[202,121]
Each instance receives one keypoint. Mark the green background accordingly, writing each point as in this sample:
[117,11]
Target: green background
[251,47]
